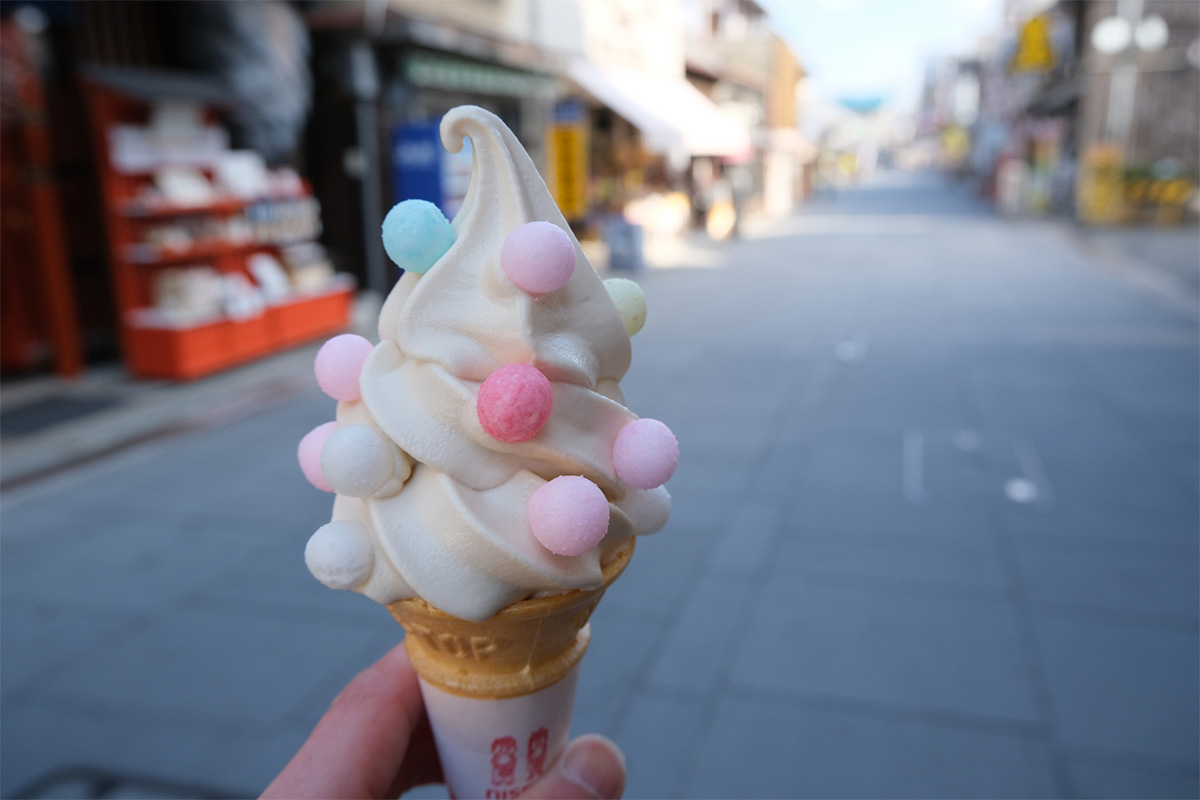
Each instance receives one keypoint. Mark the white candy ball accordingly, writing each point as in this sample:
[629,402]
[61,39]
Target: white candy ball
[357,460]
[627,296]
[340,555]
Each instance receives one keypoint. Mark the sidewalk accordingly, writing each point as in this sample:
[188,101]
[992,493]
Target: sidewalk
[1162,261]
[1172,250]
[50,423]
[934,534]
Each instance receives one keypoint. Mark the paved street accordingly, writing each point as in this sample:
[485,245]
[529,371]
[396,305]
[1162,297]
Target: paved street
[935,535]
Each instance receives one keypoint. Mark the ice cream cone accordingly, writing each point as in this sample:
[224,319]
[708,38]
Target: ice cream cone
[499,693]
[523,649]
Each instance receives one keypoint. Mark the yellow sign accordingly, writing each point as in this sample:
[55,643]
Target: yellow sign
[1101,186]
[566,159]
[1034,53]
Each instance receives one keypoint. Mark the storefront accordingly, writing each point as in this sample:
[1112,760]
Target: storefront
[157,209]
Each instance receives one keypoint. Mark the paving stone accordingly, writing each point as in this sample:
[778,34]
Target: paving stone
[1101,527]
[215,669]
[620,648]
[869,510]
[1057,573]
[1104,778]
[41,739]
[907,649]
[894,397]
[767,748]
[866,461]
[1120,481]
[150,561]
[44,529]
[1122,687]
[697,644]
[657,738]
[38,638]
[704,482]
[281,582]
[1045,409]
[662,568]
[778,475]
[965,564]
[745,546]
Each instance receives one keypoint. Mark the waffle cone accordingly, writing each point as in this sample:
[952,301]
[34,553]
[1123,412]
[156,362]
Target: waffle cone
[524,648]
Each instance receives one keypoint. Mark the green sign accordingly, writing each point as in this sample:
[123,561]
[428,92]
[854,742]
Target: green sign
[458,75]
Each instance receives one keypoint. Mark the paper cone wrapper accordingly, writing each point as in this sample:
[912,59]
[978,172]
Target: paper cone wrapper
[500,692]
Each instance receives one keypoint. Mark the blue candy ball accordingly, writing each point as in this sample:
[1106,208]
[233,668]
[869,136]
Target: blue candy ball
[416,234]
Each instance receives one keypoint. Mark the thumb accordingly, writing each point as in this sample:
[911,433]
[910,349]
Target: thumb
[590,768]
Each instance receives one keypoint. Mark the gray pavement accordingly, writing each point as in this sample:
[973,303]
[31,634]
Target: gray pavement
[1172,250]
[935,535]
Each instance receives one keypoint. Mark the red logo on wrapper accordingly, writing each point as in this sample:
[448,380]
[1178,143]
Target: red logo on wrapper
[539,743]
[504,761]
[504,764]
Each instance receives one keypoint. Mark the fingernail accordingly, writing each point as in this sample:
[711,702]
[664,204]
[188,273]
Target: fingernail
[595,764]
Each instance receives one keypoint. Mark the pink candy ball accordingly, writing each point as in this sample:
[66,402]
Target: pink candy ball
[309,454]
[569,515]
[339,363]
[645,454]
[538,257]
[514,402]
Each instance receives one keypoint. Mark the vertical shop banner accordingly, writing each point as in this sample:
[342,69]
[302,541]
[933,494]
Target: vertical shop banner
[1034,52]
[567,159]
[1101,185]
[417,163]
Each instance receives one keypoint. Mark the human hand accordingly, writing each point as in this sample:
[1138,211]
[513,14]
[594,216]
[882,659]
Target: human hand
[375,742]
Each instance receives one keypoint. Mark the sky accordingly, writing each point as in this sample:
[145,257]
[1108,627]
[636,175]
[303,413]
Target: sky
[856,48]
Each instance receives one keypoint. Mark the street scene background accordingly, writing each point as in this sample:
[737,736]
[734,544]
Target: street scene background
[928,338]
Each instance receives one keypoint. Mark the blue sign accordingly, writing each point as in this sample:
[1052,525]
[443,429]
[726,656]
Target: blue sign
[417,163]
[569,110]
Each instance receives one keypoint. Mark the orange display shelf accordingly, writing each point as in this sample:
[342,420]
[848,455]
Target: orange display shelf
[188,353]
[152,350]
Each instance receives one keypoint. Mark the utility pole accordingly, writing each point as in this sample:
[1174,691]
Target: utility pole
[1122,85]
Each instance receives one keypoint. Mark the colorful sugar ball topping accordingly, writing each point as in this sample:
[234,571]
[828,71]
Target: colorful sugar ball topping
[645,454]
[357,461]
[340,554]
[514,402]
[630,302]
[569,515]
[338,365]
[309,455]
[416,234]
[539,257]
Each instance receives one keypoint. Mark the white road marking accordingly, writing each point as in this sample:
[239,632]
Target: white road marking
[912,469]
[1034,474]
[1021,490]
[853,349]
[967,440]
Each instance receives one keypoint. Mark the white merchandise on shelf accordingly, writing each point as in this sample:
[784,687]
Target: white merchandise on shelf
[242,173]
[270,276]
[184,186]
[136,148]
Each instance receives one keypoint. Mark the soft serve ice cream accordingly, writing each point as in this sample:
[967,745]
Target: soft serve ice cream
[482,452]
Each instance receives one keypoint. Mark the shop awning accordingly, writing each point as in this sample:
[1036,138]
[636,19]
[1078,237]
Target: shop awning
[672,114]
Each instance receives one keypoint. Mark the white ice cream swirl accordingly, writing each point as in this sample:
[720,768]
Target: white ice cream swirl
[442,511]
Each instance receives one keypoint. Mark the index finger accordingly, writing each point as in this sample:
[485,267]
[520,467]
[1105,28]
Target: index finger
[358,747]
